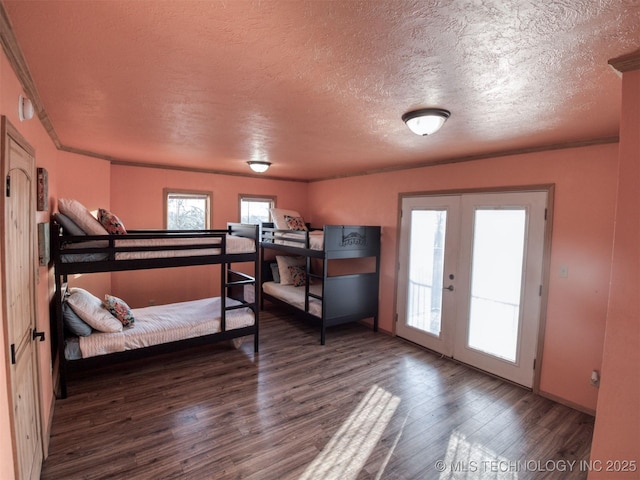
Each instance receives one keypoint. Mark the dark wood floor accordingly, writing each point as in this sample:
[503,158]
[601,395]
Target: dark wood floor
[365,406]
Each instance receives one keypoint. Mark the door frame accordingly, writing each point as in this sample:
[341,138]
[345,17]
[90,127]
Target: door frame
[9,132]
[549,188]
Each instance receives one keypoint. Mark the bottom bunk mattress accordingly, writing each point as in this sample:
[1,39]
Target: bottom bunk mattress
[295,296]
[160,324]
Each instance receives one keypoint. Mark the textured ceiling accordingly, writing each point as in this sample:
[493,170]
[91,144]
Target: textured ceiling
[318,87]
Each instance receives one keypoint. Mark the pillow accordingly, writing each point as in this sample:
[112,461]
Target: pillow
[69,227]
[89,308]
[277,214]
[275,273]
[73,322]
[81,216]
[298,276]
[111,222]
[119,309]
[283,267]
[295,223]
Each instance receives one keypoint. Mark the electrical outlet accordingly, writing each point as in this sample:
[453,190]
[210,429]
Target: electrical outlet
[595,378]
[564,271]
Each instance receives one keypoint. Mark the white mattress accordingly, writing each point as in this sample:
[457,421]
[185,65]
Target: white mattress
[234,244]
[295,295]
[167,323]
[316,239]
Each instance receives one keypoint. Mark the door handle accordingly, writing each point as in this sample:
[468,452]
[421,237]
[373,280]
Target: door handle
[450,288]
[37,334]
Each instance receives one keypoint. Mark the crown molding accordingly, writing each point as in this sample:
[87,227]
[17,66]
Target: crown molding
[19,65]
[626,63]
[482,156]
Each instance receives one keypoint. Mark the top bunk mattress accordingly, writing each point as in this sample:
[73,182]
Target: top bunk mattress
[299,239]
[336,241]
[150,248]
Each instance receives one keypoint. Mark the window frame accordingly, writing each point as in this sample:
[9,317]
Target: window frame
[208,195]
[253,197]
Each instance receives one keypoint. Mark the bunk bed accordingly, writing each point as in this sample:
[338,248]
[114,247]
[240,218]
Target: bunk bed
[297,270]
[156,329]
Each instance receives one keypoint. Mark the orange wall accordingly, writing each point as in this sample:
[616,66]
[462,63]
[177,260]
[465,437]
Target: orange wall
[617,429]
[137,199]
[585,180]
[69,176]
[46,153]
[88,181]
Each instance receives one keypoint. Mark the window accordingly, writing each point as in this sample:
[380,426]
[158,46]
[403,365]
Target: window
[255,209]
[187,210]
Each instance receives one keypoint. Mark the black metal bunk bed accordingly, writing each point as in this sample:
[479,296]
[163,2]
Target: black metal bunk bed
[342,298]
[113,253]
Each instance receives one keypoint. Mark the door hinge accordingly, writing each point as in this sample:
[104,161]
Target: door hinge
[540,292]
[534,363]
[396,317]
[545,213]
[13,354]
[35,334]
[8,191]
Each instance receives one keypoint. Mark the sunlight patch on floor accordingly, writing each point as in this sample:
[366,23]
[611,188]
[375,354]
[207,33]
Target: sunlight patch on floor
[466,460]
[349,448]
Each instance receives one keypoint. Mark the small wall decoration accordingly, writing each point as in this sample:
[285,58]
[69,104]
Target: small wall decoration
[43,190]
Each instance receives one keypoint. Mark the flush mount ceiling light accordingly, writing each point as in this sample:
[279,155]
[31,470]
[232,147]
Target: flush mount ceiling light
[426,120]
[259,167]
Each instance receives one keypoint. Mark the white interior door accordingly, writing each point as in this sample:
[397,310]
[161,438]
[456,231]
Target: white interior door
[483,306]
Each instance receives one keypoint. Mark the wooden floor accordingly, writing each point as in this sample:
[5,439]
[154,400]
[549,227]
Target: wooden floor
[365,406]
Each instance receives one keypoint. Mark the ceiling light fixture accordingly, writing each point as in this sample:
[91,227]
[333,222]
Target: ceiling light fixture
[258,166]
[426,121]
[25,108]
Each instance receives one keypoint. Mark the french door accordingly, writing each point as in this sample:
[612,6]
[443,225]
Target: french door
[470,278]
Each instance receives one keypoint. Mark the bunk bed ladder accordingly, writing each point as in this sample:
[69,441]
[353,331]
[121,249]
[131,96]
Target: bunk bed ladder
[308,295]
[231,279]
[311,276]
[224,269]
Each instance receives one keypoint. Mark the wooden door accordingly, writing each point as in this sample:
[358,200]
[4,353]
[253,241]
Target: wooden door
[19,261]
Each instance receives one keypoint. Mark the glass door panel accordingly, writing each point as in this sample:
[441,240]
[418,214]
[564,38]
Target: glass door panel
[426,268]
[496,282]
[428,256]
[500,279]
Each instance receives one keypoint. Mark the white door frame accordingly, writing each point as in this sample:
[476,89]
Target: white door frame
[546,256]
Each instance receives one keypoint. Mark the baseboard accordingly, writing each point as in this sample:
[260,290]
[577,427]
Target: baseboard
[369,323]
[46,437]
[567,403]
[546,395]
